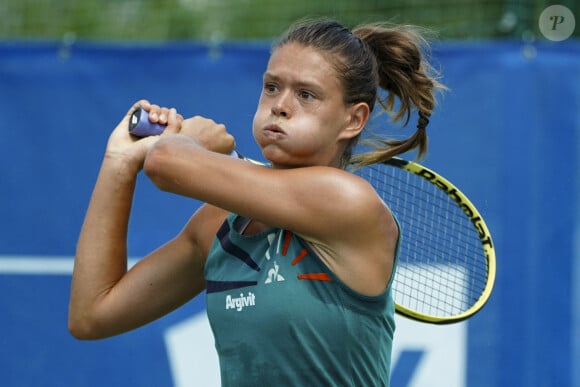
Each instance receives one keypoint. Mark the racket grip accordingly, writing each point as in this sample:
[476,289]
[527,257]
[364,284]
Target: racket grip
[140,126]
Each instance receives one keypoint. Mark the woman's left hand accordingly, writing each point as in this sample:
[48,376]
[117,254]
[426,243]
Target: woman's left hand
[209,134]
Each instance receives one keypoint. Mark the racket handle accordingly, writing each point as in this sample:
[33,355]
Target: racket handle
[140,126]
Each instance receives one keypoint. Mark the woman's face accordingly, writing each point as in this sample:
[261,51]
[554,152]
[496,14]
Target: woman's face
[301,117]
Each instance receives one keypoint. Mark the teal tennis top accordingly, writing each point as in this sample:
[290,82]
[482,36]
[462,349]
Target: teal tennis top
[280,317]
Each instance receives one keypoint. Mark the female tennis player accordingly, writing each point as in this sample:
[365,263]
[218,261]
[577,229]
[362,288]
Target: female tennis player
[296,259]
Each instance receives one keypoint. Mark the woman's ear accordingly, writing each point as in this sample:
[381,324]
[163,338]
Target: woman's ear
[356,120]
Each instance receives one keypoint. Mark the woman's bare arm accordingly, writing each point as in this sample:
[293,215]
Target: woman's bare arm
[106,299]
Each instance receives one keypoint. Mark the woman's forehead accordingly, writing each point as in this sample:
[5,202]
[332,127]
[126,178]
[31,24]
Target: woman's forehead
[300,59]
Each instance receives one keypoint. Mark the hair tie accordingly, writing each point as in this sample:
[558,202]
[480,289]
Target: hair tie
[423,120]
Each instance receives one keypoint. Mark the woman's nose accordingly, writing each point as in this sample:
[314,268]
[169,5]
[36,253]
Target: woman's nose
[282,106]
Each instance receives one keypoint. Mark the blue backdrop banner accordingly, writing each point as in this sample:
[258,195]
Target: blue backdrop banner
[507,133]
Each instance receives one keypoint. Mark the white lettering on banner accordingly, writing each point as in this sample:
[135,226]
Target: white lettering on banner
[40,265]
[444,348]
[191,351]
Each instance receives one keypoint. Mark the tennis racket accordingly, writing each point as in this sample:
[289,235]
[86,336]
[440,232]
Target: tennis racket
[446,265]
[445,271]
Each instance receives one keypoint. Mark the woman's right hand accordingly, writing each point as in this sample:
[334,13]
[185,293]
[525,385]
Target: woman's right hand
[130,150]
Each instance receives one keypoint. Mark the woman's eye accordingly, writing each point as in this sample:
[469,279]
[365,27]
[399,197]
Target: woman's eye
[304,94]
[270,88]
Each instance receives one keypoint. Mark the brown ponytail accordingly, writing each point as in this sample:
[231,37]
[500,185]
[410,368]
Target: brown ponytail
[404,74]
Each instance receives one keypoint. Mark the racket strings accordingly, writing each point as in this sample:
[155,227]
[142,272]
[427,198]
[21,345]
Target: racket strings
[442,268]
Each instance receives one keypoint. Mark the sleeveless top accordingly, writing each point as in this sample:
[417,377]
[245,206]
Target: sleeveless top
[280,317]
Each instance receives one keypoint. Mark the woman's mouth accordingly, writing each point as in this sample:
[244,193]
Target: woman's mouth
[274,130]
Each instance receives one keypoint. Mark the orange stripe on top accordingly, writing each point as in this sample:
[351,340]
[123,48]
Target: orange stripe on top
[287,238]
[299,257]
[315,277]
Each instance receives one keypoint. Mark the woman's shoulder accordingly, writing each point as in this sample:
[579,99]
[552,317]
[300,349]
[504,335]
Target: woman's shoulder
[203,225]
